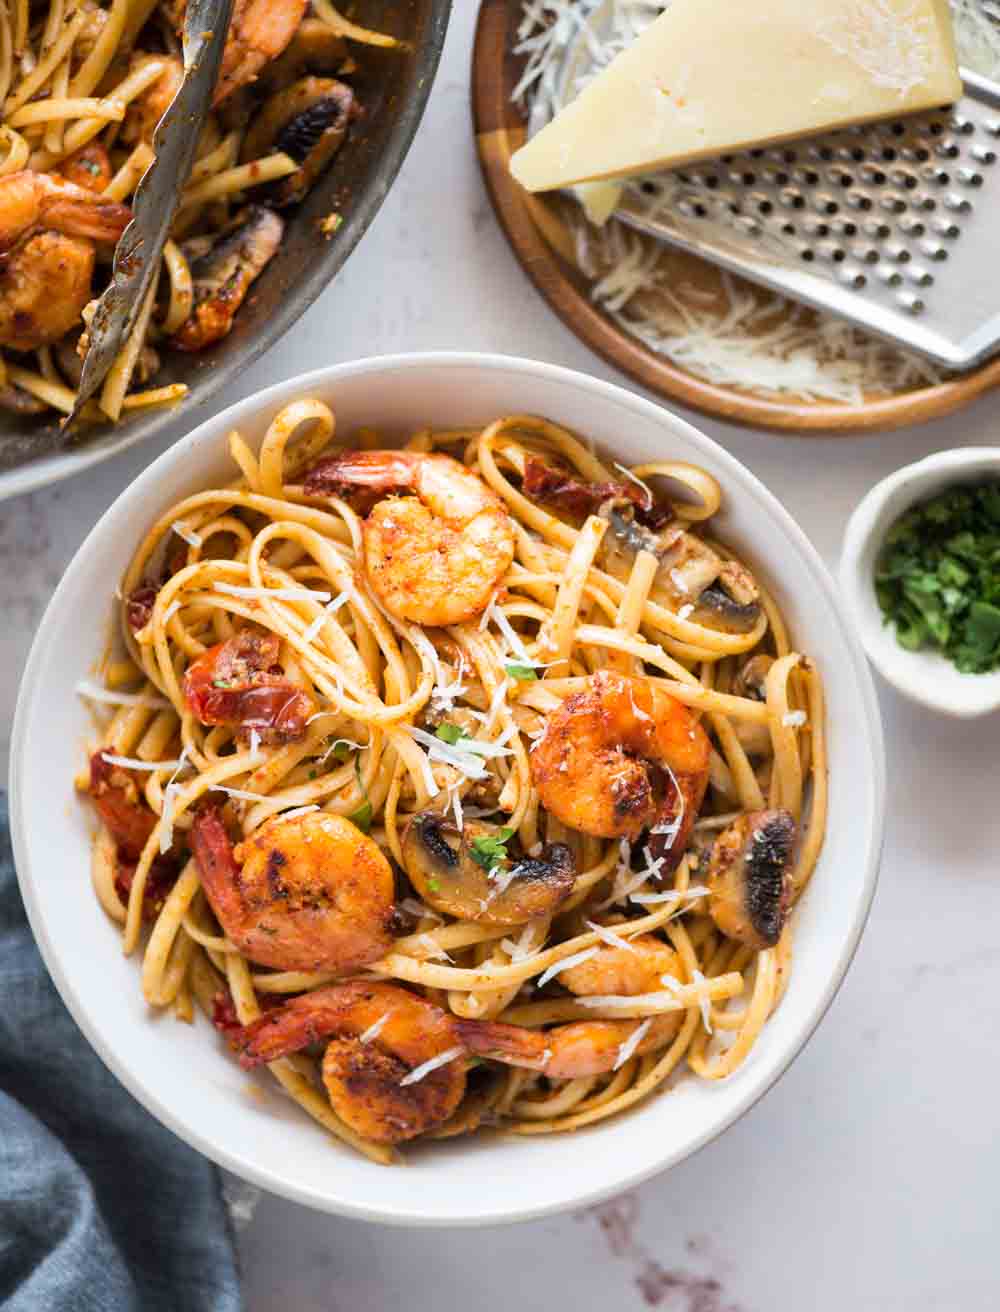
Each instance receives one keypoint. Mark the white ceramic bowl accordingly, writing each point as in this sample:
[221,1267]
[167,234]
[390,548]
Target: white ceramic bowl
[925,676]
[182,1074]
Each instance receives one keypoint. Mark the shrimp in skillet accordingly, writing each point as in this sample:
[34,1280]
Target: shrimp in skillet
[48,227]
[622,756]
[309,893]
[379,1036]
[435,557]
[259,31]
[587,1047]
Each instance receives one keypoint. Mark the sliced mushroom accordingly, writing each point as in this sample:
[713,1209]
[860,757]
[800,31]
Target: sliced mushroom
[315,48]
[748,881]
[442,868]
[722,594]
[755,739]
[223,275]
[308,121]
[19,402]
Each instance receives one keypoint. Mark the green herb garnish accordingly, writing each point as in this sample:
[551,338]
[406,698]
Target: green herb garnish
[450,733]
[434,884]
[362,817]
[938,577]
[341,749]
[522,673]
[491,852]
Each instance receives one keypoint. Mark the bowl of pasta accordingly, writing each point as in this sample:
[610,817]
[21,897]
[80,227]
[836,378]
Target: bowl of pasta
[456,745]
[312,116]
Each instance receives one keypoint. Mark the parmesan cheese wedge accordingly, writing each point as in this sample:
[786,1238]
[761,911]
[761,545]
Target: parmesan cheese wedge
[713,76]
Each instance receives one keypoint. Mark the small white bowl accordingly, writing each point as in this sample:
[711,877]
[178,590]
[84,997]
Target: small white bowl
[924,676]
[182,1073]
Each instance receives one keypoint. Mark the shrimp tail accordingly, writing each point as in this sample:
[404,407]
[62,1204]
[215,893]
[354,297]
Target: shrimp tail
[85,216]
[376,471]
[213,853]
[302,1021]
[511,1044]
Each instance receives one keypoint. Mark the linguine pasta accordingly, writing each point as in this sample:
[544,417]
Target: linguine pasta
[425,734]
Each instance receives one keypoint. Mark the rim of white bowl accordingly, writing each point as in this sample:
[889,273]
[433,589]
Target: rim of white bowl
[925,677]
[749,485]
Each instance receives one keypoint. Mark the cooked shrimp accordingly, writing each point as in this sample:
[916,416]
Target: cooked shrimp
[146,110]
[365,1080]
[309,893]
[435,557]
[240,682]
[567,1052]
[587,1047]
[622,756]
[259,30]
[89,167]
[47,227]
[638,968]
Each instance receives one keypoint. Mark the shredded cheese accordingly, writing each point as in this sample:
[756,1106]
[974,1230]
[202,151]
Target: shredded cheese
[375,1029]
[95,693]
[424,1069]
[331,607]
[182,530]
[793,719]
[559,966]
[610,937]
[628,1048]
[133,762]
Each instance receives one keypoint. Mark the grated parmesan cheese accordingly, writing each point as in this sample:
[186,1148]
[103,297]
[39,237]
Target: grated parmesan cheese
[254,742]
[652,899]
[558,967]
[816,356]
[182,530]
[628,1048]
[95,693]
[706,1008]
[133,762]
[375,1029]
[609,936]
[331,607]
[442,1059]
[794,719]
[299,810]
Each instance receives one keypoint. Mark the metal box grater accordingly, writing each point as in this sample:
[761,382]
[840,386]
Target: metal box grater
[893,225]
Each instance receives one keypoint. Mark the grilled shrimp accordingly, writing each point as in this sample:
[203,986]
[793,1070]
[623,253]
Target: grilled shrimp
[620,757]
[240,682]
[435,557]
[146,110]
[379,1034]
[309,893]
[588,1047]
[47,230]
[259,31]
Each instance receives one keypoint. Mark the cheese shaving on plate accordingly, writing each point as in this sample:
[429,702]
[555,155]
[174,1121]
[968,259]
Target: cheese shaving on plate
[331,607]
[182,530]
[95,693]
[133,762]
[628,1048]
[375,1029]
[565,964]
[442,1059]
[610,937]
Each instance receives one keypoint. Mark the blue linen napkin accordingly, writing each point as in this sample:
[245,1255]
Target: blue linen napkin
[102,1209]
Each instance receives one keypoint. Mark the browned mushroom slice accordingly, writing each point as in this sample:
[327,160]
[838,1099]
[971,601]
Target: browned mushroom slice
[721,594]
[748,880]
[315,48]
[308,121]
[443,867]
[755,739]
[223,275]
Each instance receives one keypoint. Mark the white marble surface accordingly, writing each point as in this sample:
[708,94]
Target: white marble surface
[865,1180]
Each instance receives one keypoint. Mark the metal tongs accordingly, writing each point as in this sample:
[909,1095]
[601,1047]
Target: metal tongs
[137,255]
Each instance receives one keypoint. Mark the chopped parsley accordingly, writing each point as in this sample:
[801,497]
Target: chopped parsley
[341,749]
[937,578]
[434,884]
[522,673]
[491,851]
[362,817]
[450,733]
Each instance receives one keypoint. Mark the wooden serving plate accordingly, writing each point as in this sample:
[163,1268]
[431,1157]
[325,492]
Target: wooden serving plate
[536,227]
